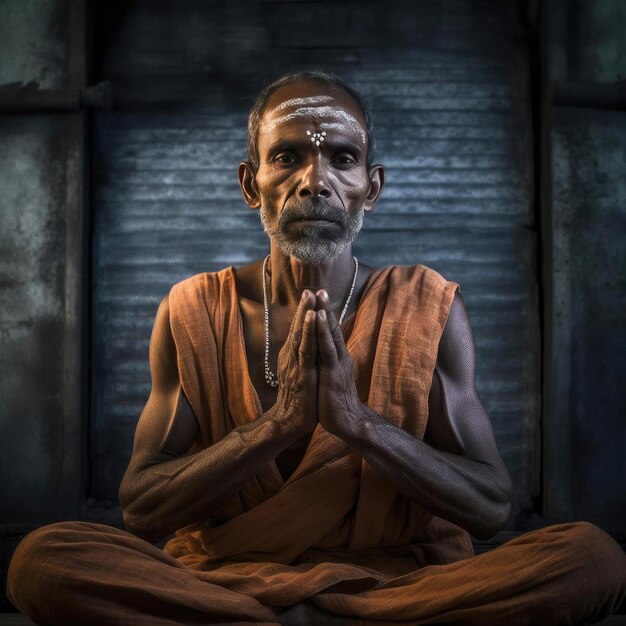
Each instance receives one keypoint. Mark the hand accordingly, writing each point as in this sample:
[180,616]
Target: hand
[338,402]
[296,403]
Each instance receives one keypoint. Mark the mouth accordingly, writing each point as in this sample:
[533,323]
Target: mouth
[315,215]
[312,220]
[303,225]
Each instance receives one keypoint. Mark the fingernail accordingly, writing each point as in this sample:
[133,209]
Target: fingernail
[322,315]
[305,295]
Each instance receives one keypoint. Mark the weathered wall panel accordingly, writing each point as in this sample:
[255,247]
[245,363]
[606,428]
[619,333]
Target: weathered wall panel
[448,85]
[590,266]
[585,464]
[41,273]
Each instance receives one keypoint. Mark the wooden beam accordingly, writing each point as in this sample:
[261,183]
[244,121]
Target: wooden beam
[29,98]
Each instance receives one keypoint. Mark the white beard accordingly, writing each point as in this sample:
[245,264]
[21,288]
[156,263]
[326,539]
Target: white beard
[309,246]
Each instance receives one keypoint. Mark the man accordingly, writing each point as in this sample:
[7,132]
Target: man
[313,436]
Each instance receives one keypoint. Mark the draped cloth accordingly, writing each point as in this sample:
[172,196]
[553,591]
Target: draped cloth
[336,541]
[334,501]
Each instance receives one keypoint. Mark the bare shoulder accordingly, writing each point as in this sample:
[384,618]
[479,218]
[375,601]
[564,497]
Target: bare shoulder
[167,426]
[452,381]
[458,422]
[162,349]
[456,355]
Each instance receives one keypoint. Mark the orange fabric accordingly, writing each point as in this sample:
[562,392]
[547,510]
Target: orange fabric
[334,500]
[78,574]
[336,538]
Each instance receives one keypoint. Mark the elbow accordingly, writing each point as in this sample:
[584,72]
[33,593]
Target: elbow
[140,527]
[490,525]
[496,512]
[128,503]
[137,521]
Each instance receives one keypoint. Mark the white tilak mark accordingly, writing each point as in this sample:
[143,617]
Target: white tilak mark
[336,115]
[316,137]
[303,102]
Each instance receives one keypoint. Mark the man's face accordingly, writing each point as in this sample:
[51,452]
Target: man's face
[312,179]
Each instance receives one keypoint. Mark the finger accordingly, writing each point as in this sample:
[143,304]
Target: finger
[323,302]
[307,353]
[307,302]
[325,343]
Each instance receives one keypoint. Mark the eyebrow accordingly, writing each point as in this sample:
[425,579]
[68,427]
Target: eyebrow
[343,145]
[287,144]
[340,145]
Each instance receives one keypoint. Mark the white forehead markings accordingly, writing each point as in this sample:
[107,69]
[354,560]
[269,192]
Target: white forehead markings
[304,102]
[338,126]
[336,116]
[316,137]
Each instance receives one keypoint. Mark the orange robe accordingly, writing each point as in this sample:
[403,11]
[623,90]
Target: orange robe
[336,539]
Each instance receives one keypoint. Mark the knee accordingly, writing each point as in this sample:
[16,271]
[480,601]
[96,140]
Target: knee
[30,561]
[599,557]
[596,545]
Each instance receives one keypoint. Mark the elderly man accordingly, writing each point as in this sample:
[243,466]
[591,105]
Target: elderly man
[313,436]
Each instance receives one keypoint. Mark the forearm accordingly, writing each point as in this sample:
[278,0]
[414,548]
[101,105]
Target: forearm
[466,492]
[160,498]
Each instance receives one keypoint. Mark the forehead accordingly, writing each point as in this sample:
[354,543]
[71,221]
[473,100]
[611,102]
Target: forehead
[312,105]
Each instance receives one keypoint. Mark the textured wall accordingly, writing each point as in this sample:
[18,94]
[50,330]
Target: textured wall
[34,42]
[448,82]
[597,47]
[41,240]
[587,466]
[39,462]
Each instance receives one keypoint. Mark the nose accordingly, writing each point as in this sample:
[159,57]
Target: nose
[314,182]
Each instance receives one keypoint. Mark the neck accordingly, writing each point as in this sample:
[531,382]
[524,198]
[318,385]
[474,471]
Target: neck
[291,277]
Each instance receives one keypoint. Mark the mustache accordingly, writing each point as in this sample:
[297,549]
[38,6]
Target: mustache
[315,208]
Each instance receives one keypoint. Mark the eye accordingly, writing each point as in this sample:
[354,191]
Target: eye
[344,158]
[284,158]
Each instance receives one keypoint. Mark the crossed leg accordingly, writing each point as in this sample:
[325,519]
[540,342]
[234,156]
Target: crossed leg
[74,573]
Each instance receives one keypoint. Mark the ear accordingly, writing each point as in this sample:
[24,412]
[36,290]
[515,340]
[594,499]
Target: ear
[377,182]
[247,182]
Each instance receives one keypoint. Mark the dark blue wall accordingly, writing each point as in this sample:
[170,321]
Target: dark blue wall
[450,89]
[449,82]
[586,464]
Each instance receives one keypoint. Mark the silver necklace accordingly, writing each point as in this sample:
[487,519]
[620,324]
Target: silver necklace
[270,378]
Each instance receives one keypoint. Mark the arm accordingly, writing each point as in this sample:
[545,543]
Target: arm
[456,472]
[164,488]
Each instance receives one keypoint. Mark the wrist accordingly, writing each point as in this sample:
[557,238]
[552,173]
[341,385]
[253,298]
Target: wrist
[282,428]
[356,423]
